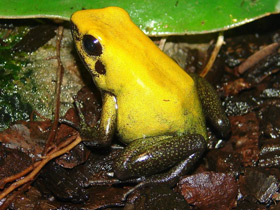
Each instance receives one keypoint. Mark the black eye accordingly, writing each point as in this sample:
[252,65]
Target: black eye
[92,46]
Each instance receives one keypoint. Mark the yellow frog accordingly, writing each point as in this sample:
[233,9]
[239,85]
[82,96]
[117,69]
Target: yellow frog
[155,107]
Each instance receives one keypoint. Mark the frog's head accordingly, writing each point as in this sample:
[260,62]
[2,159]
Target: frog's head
[110,45]
[118,54]
[90,50]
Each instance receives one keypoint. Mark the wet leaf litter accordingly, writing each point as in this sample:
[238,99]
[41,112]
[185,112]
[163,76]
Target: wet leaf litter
[242,171]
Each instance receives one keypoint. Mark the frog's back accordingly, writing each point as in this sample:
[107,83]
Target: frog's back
[164,105]
[155,96]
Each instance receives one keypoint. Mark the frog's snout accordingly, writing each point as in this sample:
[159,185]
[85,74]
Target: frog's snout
[74,31]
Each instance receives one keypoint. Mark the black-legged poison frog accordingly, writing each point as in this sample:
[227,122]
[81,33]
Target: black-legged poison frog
[156,108]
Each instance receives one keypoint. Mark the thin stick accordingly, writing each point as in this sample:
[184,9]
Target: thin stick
[61,145]
[6,180]
[256,57]
[214,54]
[41,164]
[59,77]
[8,201]
[162,43]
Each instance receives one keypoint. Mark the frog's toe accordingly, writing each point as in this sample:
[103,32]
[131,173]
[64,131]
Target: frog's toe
[222,125]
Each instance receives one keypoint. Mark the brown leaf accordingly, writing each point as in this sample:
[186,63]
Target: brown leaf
[209,190]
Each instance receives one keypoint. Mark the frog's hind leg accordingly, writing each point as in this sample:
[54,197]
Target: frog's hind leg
[152,157]
[171,177]
[212,106]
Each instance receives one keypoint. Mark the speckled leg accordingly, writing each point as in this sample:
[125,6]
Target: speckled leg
[171,177]
[148,157]
[212,106]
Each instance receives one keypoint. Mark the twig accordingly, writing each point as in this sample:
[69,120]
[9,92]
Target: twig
[256,57]
[274,71]
[214,54]
[8,201]
[59,76]
[61,145]
[34,112]
[6,180]
[41,164]
[162,43]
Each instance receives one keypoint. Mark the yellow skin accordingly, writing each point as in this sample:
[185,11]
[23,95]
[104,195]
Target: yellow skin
[154,95]
[147,98]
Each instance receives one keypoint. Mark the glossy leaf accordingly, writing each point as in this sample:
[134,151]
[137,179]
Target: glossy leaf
[154,17]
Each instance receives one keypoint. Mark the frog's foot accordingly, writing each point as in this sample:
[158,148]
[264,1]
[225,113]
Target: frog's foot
[87,133]
[172,176]
[101,134]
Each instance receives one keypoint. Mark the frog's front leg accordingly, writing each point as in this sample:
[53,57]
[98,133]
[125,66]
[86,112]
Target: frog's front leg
[101,136]
[170,156]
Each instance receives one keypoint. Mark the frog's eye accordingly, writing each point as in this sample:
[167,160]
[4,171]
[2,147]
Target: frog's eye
[91,45]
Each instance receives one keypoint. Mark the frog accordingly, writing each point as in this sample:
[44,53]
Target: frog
[157,110]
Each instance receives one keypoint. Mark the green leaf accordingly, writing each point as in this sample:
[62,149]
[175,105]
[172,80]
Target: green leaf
[154,17]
